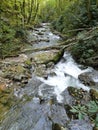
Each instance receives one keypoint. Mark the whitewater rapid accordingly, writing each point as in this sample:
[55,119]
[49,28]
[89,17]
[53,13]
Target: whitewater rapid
[66,74]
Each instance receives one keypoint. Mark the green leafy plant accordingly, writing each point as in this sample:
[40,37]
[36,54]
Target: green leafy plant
[93,107]
[79,110]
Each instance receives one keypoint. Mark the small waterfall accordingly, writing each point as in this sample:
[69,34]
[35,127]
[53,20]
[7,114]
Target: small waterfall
[67,71]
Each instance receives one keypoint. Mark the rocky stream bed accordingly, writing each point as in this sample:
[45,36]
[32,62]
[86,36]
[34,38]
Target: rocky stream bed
[37,92]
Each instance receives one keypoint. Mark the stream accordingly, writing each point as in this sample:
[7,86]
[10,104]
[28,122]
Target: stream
[35,111]
[67,72]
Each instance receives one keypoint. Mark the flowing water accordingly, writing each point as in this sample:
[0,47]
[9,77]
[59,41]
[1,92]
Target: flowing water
[67,72]
[31,115]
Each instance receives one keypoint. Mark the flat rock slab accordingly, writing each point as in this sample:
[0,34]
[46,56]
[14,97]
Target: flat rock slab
[80,125]
[35,116]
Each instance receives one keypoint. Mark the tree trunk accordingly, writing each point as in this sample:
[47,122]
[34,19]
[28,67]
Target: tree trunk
[88,9]
[30,13]
[36,11]
[24,12]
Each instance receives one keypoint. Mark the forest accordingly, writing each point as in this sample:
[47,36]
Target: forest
[72,18]
[36,35]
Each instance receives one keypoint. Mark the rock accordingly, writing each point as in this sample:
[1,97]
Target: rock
[17,78]
[67,98]
[80,125]
[40,70]
[56,127]
[44,57]
[1,73]
[52,74]
[63,60]
[43,124]
[43,40]
[32,87]
[94,94]
[45,77]
[95,128]
[46,91]
[86,79]
[74,96]
[32,37]
[3,86]
[33,115]
[58,115]
[28,63]
[40,33]
[23,57]
[93,61]
[50,65]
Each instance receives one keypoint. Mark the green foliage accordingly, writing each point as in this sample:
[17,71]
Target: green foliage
[96,121]
[86,46]
[93,107]
[75,16]
[10,43]
[79,110]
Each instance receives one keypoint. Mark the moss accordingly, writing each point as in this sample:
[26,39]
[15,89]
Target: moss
[58,56]
[28,62]
[94,94]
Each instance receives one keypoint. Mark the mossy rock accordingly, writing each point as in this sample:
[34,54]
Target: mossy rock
[94,94]
[3,110]
[44,57]
[56,127]
[76,93]
[95,128]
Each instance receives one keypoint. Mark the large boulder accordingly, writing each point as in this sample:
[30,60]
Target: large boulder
[94,94]
[35,116]
[43,57]
[89,78]
[73,95]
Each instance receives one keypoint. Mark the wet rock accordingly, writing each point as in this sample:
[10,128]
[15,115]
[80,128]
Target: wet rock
[73,96]
[46,91]
[50,65]
[63,60]
[3,86]
[52,74]
[40,70]
[1,73]
[33,115]
[67,98]
[32,37]
[32,87]
[40,33]
[80,125]
[58,115]
[17,73]
[56,127]
[95,128]
[28,63]
[94,94]
[86,79]
[43,40]
[43,124]
[43,57]
[19,59]
[45,77]
[93,61]
[20,78]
